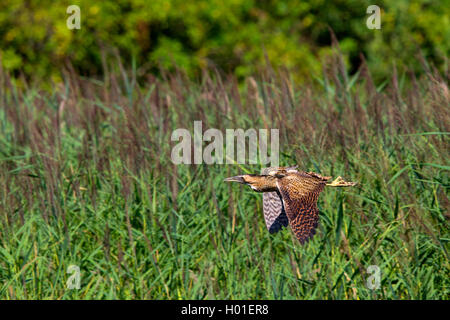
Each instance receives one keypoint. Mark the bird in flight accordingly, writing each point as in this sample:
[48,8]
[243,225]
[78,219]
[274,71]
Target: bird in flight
[290,197]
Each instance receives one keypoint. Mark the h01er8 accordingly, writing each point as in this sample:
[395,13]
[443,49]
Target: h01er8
[246,309]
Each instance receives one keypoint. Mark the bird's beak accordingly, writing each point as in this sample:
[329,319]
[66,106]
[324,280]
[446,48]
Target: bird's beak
[239,179]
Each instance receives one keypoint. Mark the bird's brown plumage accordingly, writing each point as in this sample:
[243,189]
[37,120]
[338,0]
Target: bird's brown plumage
[274,213]
[290,197]
[300,192]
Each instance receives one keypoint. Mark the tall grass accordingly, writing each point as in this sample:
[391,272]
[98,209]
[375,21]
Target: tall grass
[86,179]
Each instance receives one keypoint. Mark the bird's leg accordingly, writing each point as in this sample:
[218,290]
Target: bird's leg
[339,182]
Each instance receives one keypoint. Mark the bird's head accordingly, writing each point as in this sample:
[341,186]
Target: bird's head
[259,183]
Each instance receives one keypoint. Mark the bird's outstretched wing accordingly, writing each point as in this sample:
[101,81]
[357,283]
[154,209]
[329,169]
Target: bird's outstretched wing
[274,213]
[299,192]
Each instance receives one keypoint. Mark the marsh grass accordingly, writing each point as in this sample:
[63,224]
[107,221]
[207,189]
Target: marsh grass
[86,179]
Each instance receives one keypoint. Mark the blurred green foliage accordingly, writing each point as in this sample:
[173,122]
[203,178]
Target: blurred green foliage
[233,35]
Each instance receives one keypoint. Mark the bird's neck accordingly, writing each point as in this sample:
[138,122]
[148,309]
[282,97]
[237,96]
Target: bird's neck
[262,183]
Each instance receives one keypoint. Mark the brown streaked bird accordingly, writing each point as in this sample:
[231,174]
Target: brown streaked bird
[290,197]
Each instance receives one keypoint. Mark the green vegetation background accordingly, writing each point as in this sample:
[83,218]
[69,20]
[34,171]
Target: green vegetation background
[86,177]
[34,38]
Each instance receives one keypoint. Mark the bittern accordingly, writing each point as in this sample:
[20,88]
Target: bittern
[290,197]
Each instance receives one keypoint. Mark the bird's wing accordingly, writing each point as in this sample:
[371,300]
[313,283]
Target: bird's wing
[299,192]
[274,213]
